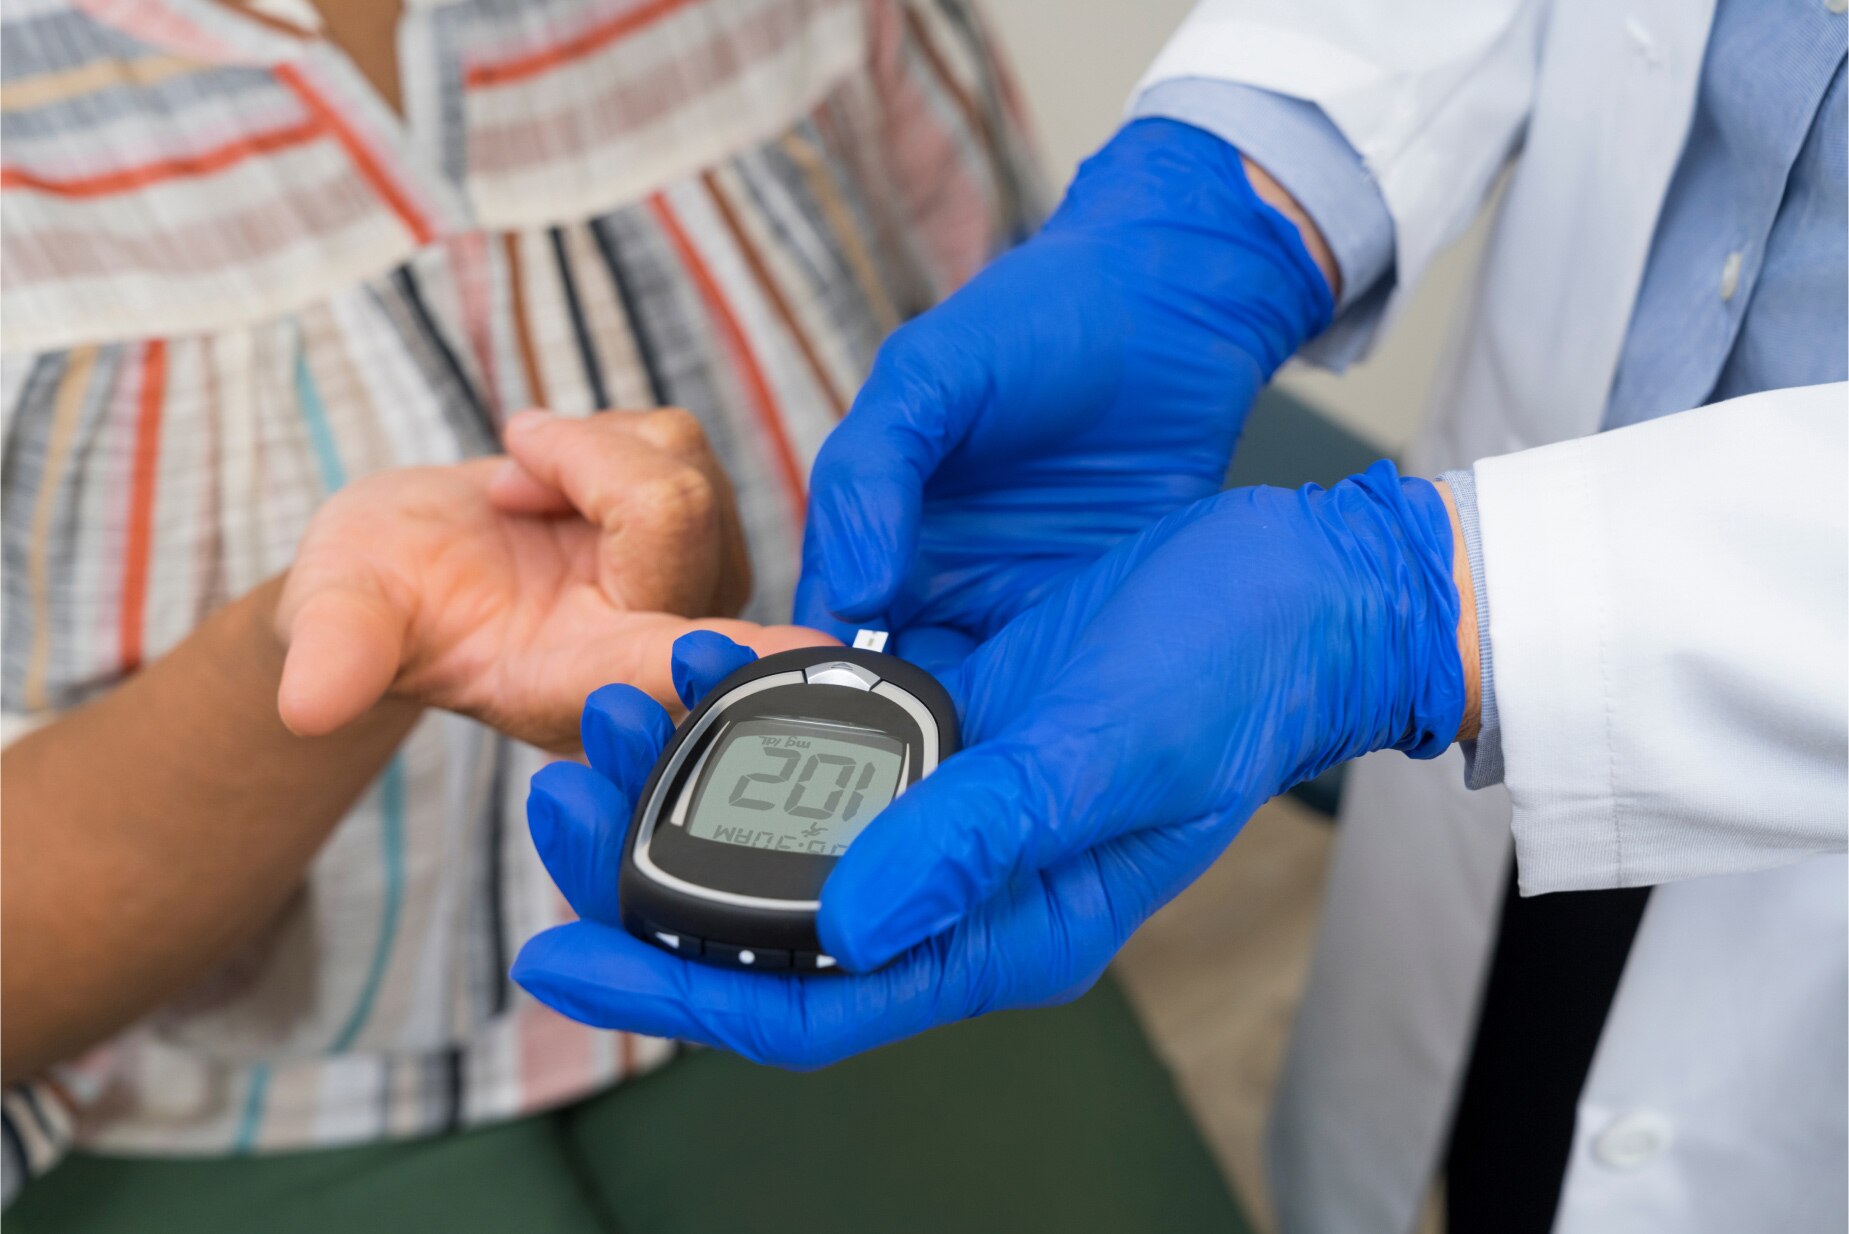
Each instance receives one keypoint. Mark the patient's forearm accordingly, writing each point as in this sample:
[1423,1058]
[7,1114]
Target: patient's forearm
[150,832]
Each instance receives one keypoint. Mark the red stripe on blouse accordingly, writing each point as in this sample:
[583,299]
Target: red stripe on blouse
[363,158]
[227,155]
[580,45]
[763,402]
[141,503]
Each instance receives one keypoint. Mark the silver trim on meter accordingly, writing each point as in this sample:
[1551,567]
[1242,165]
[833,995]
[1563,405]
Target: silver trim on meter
[841,673]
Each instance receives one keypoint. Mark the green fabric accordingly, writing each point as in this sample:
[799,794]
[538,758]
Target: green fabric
[1054,1120]
[1289,443]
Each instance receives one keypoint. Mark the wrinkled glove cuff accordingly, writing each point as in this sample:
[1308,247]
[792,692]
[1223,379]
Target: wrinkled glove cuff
[1158,174]
[1404,523]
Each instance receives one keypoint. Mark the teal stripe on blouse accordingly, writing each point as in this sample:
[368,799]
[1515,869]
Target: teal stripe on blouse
[314,415]
[391,807]
[391,784]
[252,1117]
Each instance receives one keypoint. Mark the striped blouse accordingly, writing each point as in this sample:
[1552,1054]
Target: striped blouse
[233,279]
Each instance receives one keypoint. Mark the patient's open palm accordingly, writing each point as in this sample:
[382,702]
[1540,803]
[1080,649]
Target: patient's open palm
[509,591]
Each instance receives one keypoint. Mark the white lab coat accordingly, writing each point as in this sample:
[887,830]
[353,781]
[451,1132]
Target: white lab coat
[1667,610]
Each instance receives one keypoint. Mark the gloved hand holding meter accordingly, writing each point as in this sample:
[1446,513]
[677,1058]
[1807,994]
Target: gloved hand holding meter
[1026,493]
[1117,736]
[1127,698]
[1131,707]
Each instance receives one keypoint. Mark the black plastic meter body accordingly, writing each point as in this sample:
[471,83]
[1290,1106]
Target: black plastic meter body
[760,791]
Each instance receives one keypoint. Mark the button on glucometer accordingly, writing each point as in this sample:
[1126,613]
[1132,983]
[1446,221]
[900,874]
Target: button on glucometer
[679,944]
[747,957]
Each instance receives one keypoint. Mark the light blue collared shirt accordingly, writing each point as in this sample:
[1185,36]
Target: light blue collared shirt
[1747,283]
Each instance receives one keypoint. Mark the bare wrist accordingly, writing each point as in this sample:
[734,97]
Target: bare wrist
[1274,195]
[1467,645]
[258,631]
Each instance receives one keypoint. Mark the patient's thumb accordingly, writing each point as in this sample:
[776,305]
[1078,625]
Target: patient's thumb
[344,650]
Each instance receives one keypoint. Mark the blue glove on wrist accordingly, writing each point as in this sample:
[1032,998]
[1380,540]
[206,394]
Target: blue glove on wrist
[1233,650]
[1081,387]
[1119,734]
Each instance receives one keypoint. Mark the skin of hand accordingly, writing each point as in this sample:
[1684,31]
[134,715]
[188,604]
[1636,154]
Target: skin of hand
[509,590]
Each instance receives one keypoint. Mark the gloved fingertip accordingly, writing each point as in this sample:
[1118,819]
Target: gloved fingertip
[703,659]
[861,535]
[623,731]
[622,703]
[855,951]
[565,786]
[856,595]
[578,821]
[811,609]
[866,924]
[939,650]
[533,964]
[541,814]
[931,858]
[583,970]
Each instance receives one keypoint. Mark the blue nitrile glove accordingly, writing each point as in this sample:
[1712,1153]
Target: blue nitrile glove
[1081,387]
[1119,734]
[1042,946]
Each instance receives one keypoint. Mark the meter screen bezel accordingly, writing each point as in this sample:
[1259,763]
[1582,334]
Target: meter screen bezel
[740,870]
[720,902]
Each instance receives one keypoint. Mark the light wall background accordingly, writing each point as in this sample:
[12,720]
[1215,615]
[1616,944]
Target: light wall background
[1077,61]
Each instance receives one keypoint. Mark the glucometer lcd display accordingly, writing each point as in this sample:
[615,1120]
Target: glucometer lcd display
[794,786]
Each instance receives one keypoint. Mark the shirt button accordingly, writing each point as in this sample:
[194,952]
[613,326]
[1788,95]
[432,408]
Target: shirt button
[1837,6]
[1631,1140]
[1730,275]
[1643,42]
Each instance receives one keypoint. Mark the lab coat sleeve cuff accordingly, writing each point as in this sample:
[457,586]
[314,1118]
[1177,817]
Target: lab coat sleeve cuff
[1666,602]
[1482,757]
[1538,513]
[1295,142]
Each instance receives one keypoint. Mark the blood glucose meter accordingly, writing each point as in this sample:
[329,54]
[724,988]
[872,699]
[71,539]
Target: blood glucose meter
[760,791]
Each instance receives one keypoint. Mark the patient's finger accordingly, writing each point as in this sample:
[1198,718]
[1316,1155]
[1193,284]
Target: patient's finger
[678,432]
[514,490]
[345,641]
[669,529]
